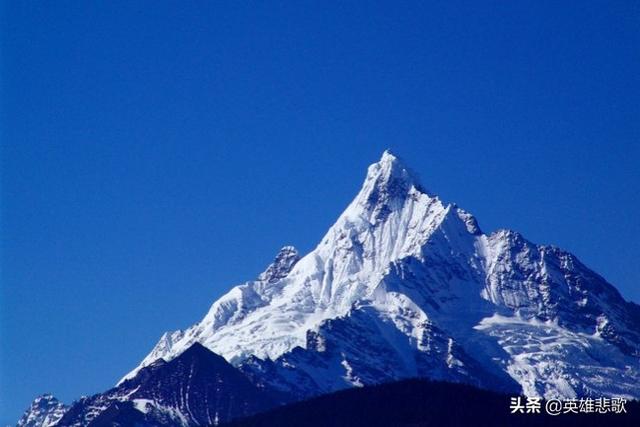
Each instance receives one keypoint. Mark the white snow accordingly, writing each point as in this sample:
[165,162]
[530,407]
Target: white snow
[435,283]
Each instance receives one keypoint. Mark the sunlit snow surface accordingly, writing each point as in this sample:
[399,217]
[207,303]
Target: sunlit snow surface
[404,285]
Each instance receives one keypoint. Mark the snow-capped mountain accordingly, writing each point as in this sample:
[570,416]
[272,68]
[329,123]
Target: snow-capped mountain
[406,285]
[402,285]
[45,411]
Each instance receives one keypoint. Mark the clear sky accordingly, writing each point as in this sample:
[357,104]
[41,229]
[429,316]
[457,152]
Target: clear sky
[156,153]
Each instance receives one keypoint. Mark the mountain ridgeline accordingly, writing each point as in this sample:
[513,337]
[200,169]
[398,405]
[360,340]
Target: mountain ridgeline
[402,286]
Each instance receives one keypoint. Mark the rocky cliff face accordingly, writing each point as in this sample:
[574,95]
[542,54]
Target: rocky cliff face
[197,387]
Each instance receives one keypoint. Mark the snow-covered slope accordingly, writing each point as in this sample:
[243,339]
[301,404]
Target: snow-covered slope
[404,285]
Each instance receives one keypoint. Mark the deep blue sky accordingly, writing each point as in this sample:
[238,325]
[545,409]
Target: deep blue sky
[155,154]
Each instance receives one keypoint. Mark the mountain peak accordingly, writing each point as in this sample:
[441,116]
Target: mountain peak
[388,182]
[197,387]
[391,173]
[387,155]
[284,261]
[389,161]
[46,397]
[198,351]
[44,411]
[286,251]
[403,284]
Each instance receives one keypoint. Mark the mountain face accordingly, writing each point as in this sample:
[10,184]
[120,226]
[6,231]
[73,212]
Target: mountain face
[45,411]
[197,387]
[405,285]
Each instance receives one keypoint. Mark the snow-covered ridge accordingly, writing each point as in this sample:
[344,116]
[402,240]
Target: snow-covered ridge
[425,293]
[45,411]
[373,231]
